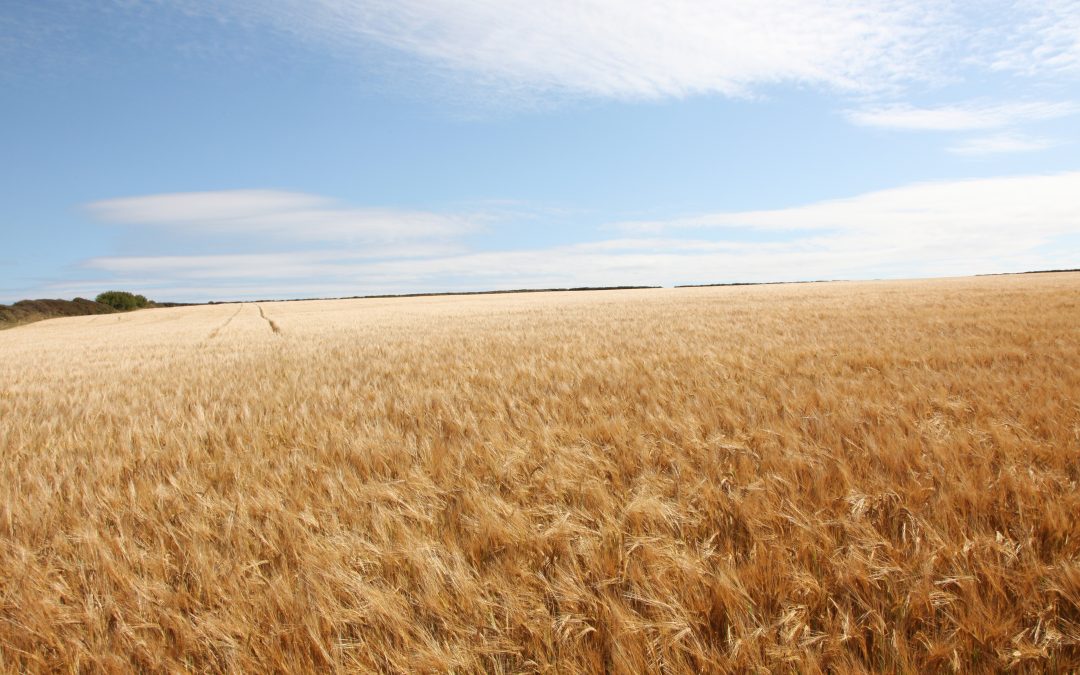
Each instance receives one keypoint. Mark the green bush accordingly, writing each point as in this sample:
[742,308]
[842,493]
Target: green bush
[122,300]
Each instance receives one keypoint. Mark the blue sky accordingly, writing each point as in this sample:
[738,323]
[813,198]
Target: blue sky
[287,148]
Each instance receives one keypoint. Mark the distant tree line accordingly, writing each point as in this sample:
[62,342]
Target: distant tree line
[28,311]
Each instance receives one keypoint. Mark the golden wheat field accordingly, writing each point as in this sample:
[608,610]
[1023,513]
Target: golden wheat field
[844,477]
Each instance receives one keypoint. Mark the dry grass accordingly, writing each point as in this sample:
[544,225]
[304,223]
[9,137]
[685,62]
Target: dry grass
[842,477]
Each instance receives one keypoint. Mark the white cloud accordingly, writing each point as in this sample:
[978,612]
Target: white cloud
[961,117]
[1000,143]
[637,49]
[1001,207]
[280,215]
[623,49]
[198,207]
[265,265]
[929,229]
[1045,39]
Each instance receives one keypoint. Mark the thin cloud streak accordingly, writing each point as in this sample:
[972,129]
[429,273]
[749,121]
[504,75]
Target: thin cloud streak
[1001,144]
[280,215]
[961,117]
[272,265]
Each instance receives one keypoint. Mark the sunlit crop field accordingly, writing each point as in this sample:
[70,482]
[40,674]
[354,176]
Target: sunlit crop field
[840,477]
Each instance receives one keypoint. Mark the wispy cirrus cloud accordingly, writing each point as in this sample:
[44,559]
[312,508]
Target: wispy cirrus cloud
[1044,39]
[631,49]
[618,49]
[623,49]
[635,49]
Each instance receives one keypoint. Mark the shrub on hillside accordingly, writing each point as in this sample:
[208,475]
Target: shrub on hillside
[27,311]
[122,300]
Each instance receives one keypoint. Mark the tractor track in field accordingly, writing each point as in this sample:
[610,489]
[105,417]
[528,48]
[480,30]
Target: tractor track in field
[217,331]
[273,326]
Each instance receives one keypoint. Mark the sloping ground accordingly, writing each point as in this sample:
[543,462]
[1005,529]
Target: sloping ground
[823,477]
[28,311]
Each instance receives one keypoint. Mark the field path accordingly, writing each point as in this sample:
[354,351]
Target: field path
[217,331]
[273,326]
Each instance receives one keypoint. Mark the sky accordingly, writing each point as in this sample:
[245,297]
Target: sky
[246,149]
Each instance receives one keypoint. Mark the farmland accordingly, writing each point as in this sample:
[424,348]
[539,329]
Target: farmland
[846,476]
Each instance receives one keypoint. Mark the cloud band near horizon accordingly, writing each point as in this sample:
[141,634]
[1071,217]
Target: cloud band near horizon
[925,229]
